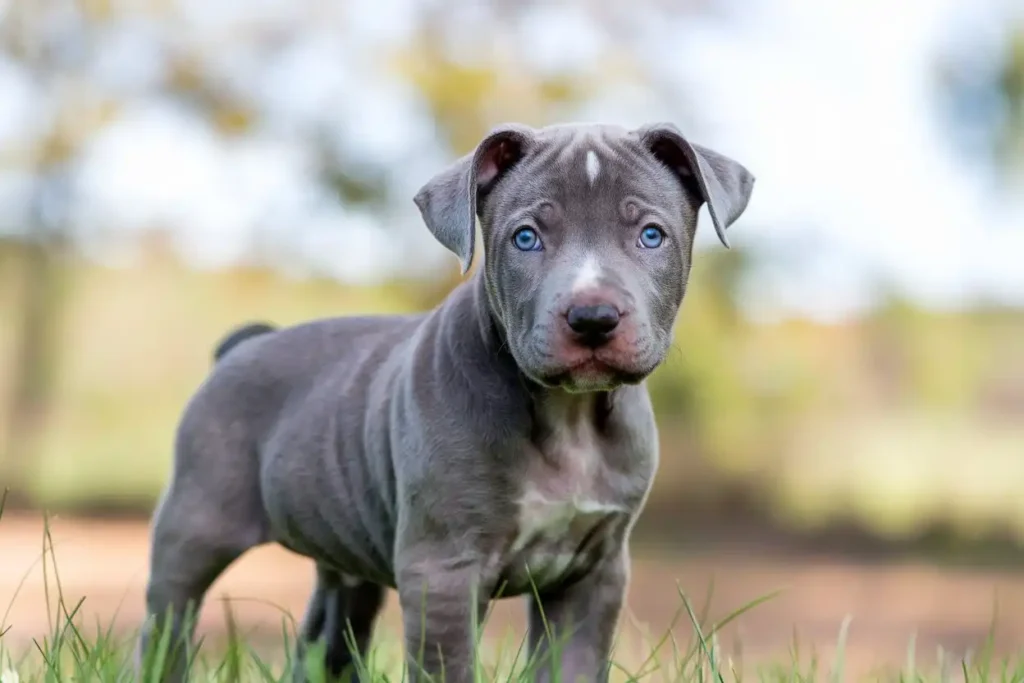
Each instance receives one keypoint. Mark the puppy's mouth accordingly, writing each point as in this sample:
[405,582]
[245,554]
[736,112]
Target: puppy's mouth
[593,373]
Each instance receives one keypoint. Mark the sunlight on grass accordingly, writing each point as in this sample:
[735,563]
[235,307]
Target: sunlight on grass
[73,651]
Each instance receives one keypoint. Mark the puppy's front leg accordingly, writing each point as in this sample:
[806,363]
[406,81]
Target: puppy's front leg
[571,629]
[442,599]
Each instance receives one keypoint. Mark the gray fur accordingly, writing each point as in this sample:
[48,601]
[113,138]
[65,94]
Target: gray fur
[483,449]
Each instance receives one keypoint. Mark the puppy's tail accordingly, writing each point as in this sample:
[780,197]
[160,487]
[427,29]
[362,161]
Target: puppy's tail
[239,335]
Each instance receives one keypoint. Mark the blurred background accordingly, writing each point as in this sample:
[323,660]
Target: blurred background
[843,415]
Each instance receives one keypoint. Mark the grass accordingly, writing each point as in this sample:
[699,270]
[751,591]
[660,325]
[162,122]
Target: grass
[73,651]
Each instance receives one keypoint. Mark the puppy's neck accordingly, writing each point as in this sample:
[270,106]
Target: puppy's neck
[472,342]
[491,330]
[556,409]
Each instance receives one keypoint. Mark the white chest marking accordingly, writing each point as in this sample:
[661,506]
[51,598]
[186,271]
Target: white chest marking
[550,531]
[587,276]
[593,166]
[552,519]
[557,510]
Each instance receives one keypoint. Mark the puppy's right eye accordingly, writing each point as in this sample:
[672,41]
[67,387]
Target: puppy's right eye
[527,239]
[651,237]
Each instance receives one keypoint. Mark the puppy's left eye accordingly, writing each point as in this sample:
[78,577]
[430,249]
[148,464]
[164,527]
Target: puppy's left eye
[527,239]
[651,237]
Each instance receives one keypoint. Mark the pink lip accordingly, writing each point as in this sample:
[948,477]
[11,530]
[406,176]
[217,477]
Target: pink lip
[591,363]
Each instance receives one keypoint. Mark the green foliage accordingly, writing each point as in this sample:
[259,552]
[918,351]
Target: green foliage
[717,385]
[987,99]
[1010,81]
[811,417]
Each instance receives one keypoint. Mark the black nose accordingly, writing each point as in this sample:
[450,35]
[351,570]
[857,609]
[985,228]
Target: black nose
[593,323]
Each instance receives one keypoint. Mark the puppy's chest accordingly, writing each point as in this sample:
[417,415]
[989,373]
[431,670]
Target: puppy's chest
[567,511]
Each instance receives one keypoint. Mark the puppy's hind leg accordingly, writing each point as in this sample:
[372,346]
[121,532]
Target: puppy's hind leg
[200,527]
[341,615]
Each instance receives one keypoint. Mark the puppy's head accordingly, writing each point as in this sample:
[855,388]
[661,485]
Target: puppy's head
[588,234]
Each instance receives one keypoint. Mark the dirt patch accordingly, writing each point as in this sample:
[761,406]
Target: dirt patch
[106,563]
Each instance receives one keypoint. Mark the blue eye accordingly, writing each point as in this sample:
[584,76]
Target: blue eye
[651,237]
[527,239]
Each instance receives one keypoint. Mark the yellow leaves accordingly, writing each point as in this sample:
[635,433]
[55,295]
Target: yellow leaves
[80,115]
[467,99]
[232,119]
[560,89]
[106,10]
[445,81]
[457,94]
[185,73]
[97,9]
[186,76]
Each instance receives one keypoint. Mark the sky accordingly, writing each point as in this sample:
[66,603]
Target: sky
[829,104]
[855,167]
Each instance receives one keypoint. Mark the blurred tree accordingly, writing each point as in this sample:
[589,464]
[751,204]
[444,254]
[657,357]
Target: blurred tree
[984,98]
[210,67]
[1011,82]
[465,97]
[47,40]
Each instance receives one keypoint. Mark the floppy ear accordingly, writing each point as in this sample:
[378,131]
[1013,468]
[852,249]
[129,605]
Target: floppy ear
[723,183]
[450,201]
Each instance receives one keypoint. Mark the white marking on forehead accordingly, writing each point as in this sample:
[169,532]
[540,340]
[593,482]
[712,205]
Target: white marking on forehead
[593,166]
[587,275]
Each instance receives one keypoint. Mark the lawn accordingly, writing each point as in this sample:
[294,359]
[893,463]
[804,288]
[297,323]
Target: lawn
[76,651]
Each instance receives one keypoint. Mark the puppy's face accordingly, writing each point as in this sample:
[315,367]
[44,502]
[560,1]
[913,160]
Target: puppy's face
[588,233]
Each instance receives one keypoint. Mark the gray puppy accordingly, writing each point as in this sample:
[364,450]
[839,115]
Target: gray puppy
[502,444]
